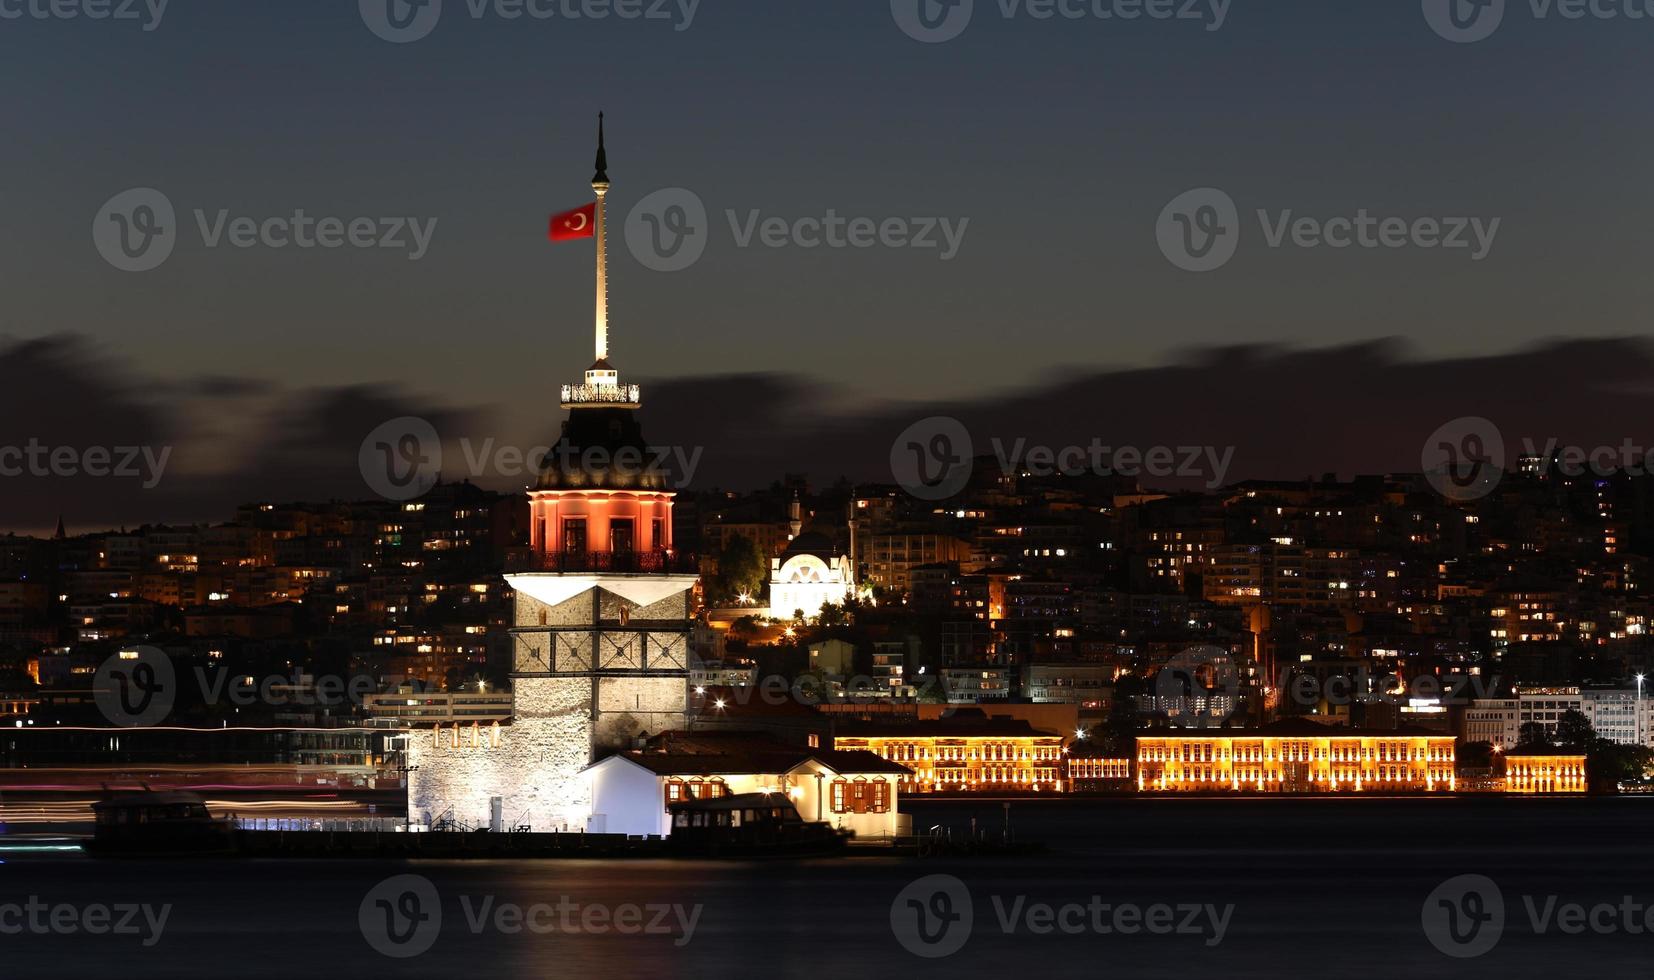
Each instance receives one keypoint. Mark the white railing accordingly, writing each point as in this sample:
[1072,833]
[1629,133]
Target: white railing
[600,394]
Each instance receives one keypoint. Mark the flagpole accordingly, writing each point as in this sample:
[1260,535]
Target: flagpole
[600,184]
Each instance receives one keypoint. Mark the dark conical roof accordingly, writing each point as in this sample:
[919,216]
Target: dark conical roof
[602,448]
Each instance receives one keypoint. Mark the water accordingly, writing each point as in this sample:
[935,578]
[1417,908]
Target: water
[1333,886]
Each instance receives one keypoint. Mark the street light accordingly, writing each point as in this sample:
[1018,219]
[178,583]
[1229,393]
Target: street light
[1644,738]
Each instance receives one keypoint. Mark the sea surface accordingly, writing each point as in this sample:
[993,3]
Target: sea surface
[1338,887]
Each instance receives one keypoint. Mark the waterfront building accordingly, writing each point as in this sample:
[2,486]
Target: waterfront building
[1297,756]
[633,791]
[964,752]
[1620,715]
[1543,769]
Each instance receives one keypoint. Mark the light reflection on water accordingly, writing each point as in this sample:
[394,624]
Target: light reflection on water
[1337,883]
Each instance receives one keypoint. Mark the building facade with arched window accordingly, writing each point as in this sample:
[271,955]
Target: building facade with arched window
[1545,770]
[807,575]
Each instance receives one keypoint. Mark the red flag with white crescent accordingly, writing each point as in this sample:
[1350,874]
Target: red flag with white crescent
[579,223]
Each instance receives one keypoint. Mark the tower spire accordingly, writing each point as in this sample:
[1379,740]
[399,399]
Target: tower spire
[602,385]
[602,175]
[600,184]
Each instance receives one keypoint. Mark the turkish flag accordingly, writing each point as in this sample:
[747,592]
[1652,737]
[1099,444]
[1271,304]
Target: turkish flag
[579,223]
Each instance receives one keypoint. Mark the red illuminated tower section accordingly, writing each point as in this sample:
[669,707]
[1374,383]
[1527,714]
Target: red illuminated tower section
[601,504]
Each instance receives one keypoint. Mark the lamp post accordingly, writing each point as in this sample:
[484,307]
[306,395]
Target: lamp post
[1642,733]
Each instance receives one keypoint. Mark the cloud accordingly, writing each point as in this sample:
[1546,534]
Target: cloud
[1289,413]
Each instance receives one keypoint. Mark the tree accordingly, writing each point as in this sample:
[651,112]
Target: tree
[1476,755]
[741,566]
[1608,764]
[1123,721]
[1531,733]
[1574,731]
[832,615]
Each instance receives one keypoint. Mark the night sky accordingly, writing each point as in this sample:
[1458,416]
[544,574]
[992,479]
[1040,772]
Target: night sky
[1060,140]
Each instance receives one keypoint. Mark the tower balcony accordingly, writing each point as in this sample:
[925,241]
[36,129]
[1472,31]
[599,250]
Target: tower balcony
[615,395]
[604,562]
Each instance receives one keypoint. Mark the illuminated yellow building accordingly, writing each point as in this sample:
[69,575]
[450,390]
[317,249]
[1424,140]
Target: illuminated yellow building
[1096,773]
[1296,757]
[1544,770]
[967,752]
